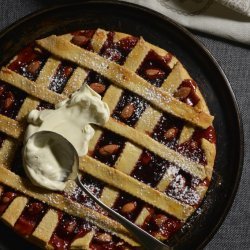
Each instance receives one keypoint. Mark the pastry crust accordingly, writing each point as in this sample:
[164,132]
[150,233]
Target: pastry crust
[121,78]
[125,78]
[10,127]
[159,149]
[136,188]
[30,87]
[62,203]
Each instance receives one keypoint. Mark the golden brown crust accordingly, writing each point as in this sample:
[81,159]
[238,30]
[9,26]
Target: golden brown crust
[14,210]
[62,203]
[8,151]
[30,87]
[138,189]
[125,78]
[10,127]
[136,137]
[45,228]
[39,90]
[159,149]
[210,152]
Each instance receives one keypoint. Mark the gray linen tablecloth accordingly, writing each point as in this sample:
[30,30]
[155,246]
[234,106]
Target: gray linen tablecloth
[235,61]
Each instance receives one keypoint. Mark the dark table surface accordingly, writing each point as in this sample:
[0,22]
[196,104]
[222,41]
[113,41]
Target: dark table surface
[235,61]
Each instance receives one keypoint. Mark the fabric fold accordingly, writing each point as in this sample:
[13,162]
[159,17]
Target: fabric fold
[220,18]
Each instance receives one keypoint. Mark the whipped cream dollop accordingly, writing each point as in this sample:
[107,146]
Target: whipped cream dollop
[44,160]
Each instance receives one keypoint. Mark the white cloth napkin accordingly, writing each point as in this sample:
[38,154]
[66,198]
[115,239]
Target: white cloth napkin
[225,18]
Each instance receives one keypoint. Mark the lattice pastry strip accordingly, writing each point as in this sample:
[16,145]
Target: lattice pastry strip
[9,147]
[81,75]
[14,210]
[134,187]
[171,84]
[30,103]
[64,204]
[7,151]
[125,79]
[45,228]
[127,131]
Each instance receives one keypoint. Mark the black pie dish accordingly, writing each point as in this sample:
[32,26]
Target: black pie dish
[159,30]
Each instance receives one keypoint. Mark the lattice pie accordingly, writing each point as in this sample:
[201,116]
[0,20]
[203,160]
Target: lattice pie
[152,161]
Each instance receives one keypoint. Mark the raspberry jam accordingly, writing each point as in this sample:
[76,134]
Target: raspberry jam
[29,62]
[161,225]
[95,186]
[150,168]
[30,217]
[167,131]
[59,80]
[67,230]
[128,206]
[182,188]
[155,68]
[129,108]
[118,51]
[82,38]
[7,196]
[11,100]
[108,148]
[97,82]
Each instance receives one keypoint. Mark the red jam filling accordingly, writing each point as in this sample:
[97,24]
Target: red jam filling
[129,108]
[30,217]
[67,230]
[104,241]
[167,131]
[192,150]
[97,82]
[150,168]
[29,62]
[82,38]
[161,225]
[187,92]
[6,198]
[11,100]
[128,206]
[182,188]
[208,134]
[95,186]
[108,148]
[59,80]
[155,68]
[118,51]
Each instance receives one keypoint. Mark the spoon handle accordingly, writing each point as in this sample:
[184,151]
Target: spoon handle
[144,238]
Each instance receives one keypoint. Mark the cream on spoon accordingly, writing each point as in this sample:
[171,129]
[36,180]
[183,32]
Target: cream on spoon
[42,156]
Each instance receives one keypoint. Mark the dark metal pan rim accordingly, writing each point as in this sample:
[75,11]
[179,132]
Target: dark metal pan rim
[201,48]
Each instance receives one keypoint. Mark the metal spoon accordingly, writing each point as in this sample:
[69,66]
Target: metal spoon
[146,240]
